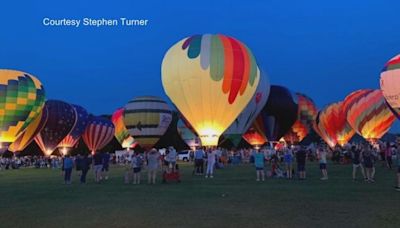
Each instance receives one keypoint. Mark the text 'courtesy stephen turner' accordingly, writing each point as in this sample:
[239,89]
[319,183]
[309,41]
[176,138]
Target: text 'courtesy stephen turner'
[98,22]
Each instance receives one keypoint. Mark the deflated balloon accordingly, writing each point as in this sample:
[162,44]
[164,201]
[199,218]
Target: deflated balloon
[210,79]
[147,118]
[22,98]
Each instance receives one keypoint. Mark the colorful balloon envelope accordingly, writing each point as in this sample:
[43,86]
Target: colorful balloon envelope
[121,133]
[254,136]
[390,84]
[210,79]
[306,114]
[147,118]
[187,135]
[98,133]
[30,132]
[368,114]
[60,122]
[331,125]
[279,114]
[22,98]
[81,121]
[243,122]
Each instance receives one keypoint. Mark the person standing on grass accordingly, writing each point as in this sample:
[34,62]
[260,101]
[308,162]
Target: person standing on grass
[388,155]
[397,150]
[368,163]
[288,159]
[85,166]
[199,161]
[211,157]
[153,164]
[68,164]
[97,166]
[106,163]
[356,160]
[301,156]
[170,159]
[321,153]
[137,162]
[259,163]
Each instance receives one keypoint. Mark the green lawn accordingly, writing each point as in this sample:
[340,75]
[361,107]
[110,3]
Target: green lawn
[38,198]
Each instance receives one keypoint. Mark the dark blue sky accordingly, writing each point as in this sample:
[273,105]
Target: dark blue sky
[324,49]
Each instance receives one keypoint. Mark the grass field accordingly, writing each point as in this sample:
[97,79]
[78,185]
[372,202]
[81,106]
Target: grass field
[38,198]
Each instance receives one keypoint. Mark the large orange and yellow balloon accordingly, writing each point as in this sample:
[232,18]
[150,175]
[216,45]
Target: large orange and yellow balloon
[210,79]
[368,114]
[21,100]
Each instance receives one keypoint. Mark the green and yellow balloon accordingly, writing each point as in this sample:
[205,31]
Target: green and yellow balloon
[22,98]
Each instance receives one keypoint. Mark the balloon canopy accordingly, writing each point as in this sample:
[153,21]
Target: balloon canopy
[279,114]
[331,125]
[98,133]
[60,122]
[368,114]
[306,114]
[390,84]
[210,79]
[22,98]
[81,121]
[121,133]
[187,134]
[243,122]
[254,136]
[147,118]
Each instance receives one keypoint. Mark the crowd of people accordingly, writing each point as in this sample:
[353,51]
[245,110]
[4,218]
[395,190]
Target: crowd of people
[282,162]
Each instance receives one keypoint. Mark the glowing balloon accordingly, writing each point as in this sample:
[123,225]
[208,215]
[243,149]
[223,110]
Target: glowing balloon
[21,100]
[243,122]
[121,133]
[210,79]
[81,121]
[60,122]
[254,137]
[279,114]
[332,126]
[390,84]
[98,133]
[187,135]
[368,114]
[30,132]
[147,119]
[306,114]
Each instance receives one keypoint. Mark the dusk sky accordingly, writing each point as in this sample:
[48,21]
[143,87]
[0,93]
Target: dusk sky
[325,49]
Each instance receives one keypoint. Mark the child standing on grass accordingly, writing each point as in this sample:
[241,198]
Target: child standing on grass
[321,153]
[288,159]
[259,162]
[137,162]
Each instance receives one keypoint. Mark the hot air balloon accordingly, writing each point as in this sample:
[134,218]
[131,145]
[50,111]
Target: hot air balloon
[243,122]
[390,86]
[279,114]
[81,121]
[30,132]
[147,119]
[187,135]
[98,133]
[254,137]
[368,114]
[121,133]
[21,100]
[331,125]
[306,114]
[210,79]
[60,122]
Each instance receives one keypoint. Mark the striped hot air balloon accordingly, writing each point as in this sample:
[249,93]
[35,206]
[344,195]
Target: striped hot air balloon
[30,132]
[331,125]
[81,121]
[147,119]
[306,114]
[368,114]
[60,122]
[390,84]
[98,133]
[22,98]
[121,133]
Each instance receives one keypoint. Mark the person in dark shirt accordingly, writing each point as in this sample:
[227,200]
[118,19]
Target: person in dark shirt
[301,163]
[85,166]
[106,162]
[97,166]
[356,160]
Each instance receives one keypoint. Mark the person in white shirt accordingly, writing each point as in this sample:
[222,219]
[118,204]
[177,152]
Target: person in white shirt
[211,156]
